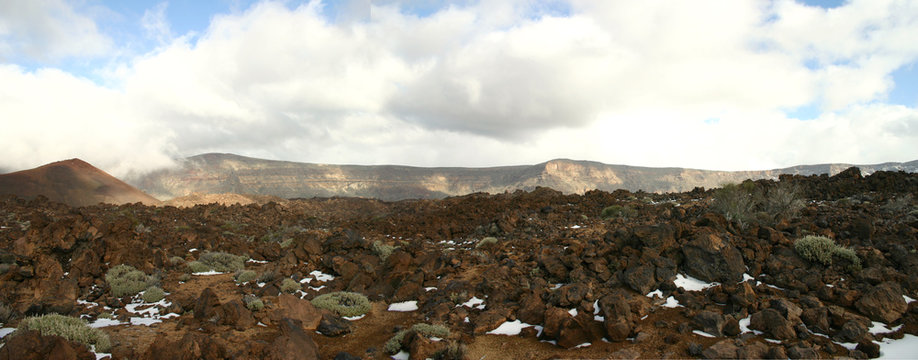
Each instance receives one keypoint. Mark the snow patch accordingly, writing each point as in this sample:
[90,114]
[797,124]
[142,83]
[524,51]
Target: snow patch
[474,302]
[747,277]
[320,276]
[702,333]
[402,355]
[573,312]
[404,306]
[671,302]
[656,292]
[257,261]
[692,284]
[432,288]
[144,321]
[881,328]
[6,331]
[354,318]
[908,300]
[100,323]
[903,348]
[582,345]
[205,273]
[510,328]
[744,324]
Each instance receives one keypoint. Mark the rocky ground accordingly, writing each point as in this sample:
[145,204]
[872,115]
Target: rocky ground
[667,278]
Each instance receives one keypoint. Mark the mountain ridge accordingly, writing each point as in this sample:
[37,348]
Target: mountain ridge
[230,173]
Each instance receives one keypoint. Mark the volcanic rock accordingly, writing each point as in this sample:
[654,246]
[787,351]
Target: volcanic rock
[293,343]
[710,258]
[883,303]
[32,345]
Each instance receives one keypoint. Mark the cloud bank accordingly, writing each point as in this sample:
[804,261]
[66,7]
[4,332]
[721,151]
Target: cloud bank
[705,84]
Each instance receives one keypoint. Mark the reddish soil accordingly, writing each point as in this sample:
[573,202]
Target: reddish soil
[73,182]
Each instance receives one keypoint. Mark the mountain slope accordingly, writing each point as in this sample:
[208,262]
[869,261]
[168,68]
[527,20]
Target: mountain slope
[227,173]
[73,182]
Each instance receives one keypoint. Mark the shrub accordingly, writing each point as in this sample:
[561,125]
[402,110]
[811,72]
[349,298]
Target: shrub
[735,202]
[289,285]
[488,241]
[176,260]
[394,345]
[70,328]
[105,315]
[267,276]
[616,211]
[245,276]
[223,262]
[197,267]
[184,277]
[253,303]
[822,249]
[343,303]
[153,294]
[382,250]
[815,248]
[125,280]
[783,201]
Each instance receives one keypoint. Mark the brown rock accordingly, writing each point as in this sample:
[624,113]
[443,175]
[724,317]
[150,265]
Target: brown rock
[575,331]
[236,314]
[710,258]
[192,346]
[293,343]
[640,278]
[31,345]
[709,322]
[883,303]
[289,306]
[333,325]
[771,322]
[205,309]
[532,309]
[490,320]
[420,347]
[724,349]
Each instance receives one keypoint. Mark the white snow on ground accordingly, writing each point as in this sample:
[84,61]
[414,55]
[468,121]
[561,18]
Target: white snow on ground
[317,288]
[6,331]
[908,300]
[556,286]
[404,306]
[575,227]
[656,292]
[747,277]
[149,315]
[354,318]
[692,284]
[474,302]
[89,304]
[511,328]
[702,333]
[744,324]
[671,302]
[192,250]
[320,276]
[432,288]
[573,312]
[144,321]
[904,348]
[105,322]
[881,328]
[205,273]
[582,345]
[257,261]
[402,355]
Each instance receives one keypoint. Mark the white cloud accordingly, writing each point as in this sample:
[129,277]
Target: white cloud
[493,83]
[48,30]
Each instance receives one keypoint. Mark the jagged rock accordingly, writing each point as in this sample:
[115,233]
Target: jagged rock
[532,309]
[292,307]
[802,352]
[816,319]
[490,319]
[710,258]
[883,303]
[572,295]
[655,236]
[293,343]
[710,322]
[32,345]
[617,314]
[207,306]
[852,331]
[772,323]
[870,348]
[789,310]
[724,349]
[192,346]
[420,347]
[333,325]
[575,331]
[640,278]
[235,313]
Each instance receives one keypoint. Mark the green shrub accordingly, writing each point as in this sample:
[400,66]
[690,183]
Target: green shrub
[223,262]
[815,248]
[184,277]
[70,328]
[735,202]
[245,276]
[850,256]
[394,345]
[125,280]
[783,201]
[153,294]
[267,276]
[822,249]
[197,267]
[382,250]
[289,285]
[176,260]
[488,241]
[343,303]
[105,315]
[617,211]
[286,243]
[253,303]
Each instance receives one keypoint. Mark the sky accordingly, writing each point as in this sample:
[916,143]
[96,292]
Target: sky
[131,86]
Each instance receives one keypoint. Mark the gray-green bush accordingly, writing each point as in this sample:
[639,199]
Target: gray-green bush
[343,303]
[382,250]
[245,276]
[735,202]
[394,345]
[616,211]
[223,262]
[153,294]
[70,328]
[488,241]
[289,285]
[253,303]
[124,280]
[821,249]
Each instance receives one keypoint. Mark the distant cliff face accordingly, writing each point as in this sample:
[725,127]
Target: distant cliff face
[226,173]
